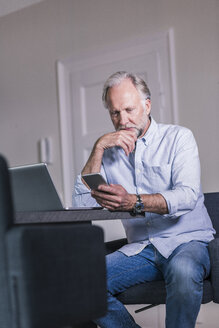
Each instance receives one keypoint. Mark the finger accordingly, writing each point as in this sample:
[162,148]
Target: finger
[129,135]
[125,147]
[106,198]
[123,138]
[111,189]
[109,205]
[128,132]
[129,144]
[99,200]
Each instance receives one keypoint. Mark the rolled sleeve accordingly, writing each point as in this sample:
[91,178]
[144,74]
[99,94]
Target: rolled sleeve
[82,196]
[172,202]
[175,209]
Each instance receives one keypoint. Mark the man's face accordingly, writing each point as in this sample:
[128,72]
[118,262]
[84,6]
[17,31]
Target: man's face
[127,109]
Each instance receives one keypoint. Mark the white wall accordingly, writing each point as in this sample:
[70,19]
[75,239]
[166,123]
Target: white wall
[33,39]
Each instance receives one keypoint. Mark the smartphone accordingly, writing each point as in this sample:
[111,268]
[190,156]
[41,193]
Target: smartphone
[93,180]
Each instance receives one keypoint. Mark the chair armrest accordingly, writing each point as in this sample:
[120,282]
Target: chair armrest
[112,246]
[214,257]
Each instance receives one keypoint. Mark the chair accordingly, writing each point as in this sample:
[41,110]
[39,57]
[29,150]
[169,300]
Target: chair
[154,292]
[51,275]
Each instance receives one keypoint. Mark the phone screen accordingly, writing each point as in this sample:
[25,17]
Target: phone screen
[93,180]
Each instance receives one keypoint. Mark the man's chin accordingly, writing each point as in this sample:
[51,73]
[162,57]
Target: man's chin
[139,132]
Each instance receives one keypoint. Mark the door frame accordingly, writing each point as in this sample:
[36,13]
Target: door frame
[66,67]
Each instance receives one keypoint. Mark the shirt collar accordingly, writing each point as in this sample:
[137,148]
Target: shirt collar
[148,136]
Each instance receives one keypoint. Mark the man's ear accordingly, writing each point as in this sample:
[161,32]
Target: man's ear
[148,106]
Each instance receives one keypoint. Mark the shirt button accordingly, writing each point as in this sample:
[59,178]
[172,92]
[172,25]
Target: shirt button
[151,239]
[138,171]
[140,189]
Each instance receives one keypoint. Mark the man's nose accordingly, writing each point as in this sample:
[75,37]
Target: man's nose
[123,119]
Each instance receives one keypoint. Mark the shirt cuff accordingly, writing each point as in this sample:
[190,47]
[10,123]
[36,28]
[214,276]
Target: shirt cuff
[80,187]
[171,198]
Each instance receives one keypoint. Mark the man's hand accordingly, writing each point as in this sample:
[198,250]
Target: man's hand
[114,197]
[123,138]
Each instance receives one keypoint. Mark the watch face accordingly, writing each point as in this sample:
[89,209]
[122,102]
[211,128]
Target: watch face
[138,205]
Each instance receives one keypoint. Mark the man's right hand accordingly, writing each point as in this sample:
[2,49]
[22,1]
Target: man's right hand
[123,138]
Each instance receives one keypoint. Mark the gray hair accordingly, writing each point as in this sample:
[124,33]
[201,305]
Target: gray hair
[118,77]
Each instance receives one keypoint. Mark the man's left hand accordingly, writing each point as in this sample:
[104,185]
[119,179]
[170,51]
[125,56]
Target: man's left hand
[114,197]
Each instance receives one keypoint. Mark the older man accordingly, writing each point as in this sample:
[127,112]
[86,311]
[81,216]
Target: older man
[152,169]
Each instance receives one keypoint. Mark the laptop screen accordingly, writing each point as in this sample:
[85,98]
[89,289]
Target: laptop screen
[33,189]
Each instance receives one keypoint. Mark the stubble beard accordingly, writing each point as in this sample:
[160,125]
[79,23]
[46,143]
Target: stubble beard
[138,130]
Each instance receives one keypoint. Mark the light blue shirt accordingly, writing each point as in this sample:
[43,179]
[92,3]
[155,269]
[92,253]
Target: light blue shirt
[165,161]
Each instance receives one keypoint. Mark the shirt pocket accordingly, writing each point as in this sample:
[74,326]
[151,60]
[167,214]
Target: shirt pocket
[157,177]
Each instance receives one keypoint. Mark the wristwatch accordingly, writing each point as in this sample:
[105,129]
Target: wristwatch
[139,206]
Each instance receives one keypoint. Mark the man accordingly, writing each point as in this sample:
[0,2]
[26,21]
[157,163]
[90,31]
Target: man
[152,169]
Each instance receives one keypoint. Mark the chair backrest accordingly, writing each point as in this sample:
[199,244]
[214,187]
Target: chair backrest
[212,205]
[6,219]
[56,275]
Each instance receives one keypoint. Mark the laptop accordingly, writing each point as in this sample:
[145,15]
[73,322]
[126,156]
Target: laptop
[34,190]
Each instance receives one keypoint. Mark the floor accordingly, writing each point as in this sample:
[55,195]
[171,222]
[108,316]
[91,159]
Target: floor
[155,317]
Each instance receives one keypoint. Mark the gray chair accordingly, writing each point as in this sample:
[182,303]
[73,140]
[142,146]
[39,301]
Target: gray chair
[51,276]
[154,293]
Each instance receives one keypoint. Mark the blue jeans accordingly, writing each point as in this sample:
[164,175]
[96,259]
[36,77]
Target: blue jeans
[183,273]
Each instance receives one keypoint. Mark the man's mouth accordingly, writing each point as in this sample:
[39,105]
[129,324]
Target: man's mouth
[127,128]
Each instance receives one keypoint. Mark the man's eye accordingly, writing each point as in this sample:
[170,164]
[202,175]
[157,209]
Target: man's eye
[129,110]
[114,114]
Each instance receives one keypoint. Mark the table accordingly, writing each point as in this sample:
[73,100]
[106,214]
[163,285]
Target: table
[64,216]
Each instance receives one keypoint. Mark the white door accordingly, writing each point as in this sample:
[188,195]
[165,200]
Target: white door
[89,119]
